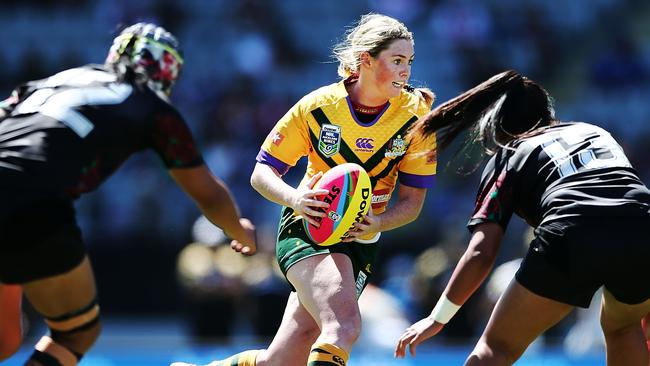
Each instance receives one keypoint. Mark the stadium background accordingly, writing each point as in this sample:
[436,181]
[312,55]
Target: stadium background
[246,63]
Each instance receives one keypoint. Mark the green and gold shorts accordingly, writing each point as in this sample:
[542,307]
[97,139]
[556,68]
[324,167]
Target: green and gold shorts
[293,245]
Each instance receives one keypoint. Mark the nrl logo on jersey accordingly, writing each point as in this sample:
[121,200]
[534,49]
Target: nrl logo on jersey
[329,141]
[396,147]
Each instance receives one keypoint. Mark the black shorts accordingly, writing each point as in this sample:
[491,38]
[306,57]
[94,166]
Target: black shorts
[39,237]
[569,260]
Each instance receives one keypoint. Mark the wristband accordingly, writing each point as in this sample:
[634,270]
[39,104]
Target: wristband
[444,310]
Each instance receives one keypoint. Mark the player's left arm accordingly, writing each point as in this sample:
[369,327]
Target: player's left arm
[469,274]
[405,210]
[416,172]
[215,200]
[477,262]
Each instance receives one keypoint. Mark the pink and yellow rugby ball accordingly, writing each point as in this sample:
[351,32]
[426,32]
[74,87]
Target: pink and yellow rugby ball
[349,197]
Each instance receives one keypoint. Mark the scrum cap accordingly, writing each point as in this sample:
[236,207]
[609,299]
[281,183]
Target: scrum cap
[150,52]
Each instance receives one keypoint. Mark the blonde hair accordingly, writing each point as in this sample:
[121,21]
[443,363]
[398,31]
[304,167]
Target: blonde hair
[373,34]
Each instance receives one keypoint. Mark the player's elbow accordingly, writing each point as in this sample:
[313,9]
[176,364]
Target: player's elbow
[260,176]
[416,212]
[415,208]
[482,256]
[256,179]
[410,217]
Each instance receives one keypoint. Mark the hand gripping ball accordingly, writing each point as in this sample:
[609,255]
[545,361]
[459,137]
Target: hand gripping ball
[349,197]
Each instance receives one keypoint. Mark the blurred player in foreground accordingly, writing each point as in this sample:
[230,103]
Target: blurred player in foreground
[63,136]
[573,183]
[362,119]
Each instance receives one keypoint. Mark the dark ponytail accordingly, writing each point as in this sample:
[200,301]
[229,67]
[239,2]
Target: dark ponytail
[504,107]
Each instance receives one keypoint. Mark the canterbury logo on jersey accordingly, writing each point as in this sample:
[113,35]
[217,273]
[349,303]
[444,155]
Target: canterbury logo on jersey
[364,144]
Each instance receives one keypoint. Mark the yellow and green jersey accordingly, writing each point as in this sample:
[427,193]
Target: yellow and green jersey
[323,127]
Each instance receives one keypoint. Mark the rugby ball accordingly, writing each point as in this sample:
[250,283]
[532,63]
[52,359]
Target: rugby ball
[349,197]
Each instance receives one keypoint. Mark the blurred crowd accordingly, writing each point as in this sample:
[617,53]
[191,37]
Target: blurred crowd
[247,62]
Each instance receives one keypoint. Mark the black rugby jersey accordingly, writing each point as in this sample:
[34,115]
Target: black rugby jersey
[569,170]
[69,132]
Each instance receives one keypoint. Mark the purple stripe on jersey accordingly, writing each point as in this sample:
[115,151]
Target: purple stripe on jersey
[417,181]
[268,159]
[354,115]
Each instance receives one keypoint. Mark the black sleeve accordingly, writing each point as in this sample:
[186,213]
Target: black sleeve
[495,197]
[173,141]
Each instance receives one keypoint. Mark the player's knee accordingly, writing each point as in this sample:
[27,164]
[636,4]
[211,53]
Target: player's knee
[622,331]
[500,352]
[348,326]
[72,335]
[613,324]
[78,341]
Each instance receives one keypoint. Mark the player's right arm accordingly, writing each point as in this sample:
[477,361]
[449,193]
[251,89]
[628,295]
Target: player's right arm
[172,140]
[268,182]
[282,148]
